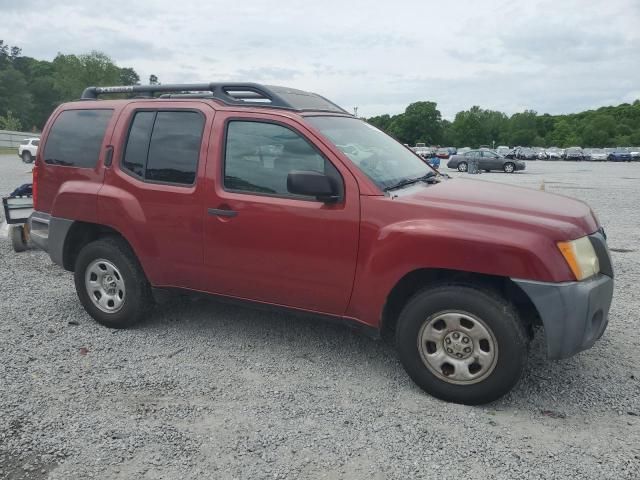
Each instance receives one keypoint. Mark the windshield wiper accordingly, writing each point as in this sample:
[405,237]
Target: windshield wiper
[430,177]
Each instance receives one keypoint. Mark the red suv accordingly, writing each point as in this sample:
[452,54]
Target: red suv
[280,197]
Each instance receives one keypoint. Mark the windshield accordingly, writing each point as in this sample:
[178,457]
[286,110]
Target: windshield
[384,160]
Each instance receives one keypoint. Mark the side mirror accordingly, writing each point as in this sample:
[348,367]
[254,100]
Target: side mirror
[312,184]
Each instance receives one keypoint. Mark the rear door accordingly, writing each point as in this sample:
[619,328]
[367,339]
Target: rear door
[263,243]
[152,192]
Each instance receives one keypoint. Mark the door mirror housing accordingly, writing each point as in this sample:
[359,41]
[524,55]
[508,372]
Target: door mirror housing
[312,184]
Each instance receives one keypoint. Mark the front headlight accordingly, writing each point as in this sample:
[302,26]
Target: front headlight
[581,257]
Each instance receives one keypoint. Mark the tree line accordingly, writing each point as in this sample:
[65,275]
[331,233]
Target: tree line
[31,89]
[604,127]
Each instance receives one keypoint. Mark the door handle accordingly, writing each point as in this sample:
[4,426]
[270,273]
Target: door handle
[218,212]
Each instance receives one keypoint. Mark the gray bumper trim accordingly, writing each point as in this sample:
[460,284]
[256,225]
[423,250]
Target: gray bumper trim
[574,314]
[49,234]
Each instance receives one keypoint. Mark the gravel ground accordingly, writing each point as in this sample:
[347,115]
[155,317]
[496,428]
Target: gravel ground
[209,390]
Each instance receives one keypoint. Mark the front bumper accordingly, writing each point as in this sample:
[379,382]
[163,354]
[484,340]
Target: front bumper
[574,314]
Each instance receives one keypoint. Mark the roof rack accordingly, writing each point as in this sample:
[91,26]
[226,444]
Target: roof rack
[232,93]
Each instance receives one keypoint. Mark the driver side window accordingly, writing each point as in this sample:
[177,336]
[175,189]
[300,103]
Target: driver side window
[259,156]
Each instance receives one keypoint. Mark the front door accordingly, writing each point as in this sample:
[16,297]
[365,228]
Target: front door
[491,161]
[263,243]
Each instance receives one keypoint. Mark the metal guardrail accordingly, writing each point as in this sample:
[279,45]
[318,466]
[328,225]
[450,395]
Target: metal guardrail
[10,139]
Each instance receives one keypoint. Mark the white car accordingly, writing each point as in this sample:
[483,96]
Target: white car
[28,149]
[597,155]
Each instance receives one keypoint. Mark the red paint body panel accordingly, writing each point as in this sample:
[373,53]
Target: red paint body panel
[71,192]
[340,259]
[463,225]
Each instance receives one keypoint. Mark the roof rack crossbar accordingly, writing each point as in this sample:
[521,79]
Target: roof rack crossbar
[231,93]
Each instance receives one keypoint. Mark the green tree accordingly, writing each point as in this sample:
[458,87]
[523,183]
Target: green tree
[421,122]
[32,88]
[9,122]
[561,134]
[381,121]
[73,73]
[523,128]
[14,94]
[128,76]
[476,126]
[600,131]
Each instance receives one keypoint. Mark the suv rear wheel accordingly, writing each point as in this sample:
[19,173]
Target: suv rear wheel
[462,344]
[26,157]
[110,283]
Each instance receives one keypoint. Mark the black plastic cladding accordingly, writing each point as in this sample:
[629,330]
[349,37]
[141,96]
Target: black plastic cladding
[246,94]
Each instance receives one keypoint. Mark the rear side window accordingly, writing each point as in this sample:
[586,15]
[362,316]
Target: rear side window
[76,137]
[35,143]
[164,146]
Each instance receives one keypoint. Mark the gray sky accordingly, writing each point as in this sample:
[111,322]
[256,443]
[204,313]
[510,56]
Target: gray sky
[555,56]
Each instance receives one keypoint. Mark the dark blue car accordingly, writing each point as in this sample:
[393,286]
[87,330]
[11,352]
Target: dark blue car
[619,155]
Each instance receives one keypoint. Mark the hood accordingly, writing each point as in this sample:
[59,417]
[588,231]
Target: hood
[560,217]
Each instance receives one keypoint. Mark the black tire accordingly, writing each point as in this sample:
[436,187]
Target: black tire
[463,167]
[498,315]
[18,240]
[487,171]
[138,300]
[509,167]
[27,157]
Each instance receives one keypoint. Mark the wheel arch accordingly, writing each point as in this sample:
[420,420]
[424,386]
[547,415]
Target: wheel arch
[81,234]
[419,279]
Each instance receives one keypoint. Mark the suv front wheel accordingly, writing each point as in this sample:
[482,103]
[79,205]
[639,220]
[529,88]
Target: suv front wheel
[462,344]
[110,283]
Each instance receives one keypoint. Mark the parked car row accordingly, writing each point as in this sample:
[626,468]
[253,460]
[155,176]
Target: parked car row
[618,154]
[432,154]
